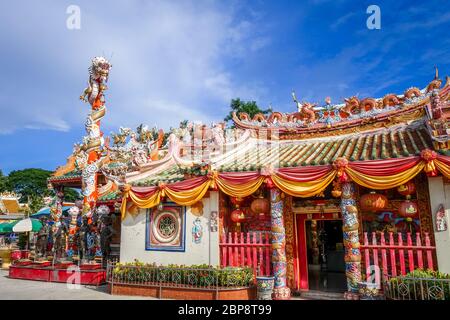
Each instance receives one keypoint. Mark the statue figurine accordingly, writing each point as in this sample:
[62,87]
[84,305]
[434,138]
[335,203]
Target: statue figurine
[59,241]
[106,234]
[94,234]
[83,238]
[42,239]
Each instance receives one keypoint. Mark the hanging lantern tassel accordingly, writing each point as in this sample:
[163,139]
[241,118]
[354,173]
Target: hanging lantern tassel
[430,169]
[213,176]
[337,189]
[428,156]
[269,183]
[213,185]
[340,164]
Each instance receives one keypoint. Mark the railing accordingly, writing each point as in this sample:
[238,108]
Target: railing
[412,288]
[396,257]
[250,249]
[178,277]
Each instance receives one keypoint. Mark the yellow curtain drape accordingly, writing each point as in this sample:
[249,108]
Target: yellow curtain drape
[149,202]
[443,168]
[303,189]
[188,197]
[384,182]
[239,190]
[293,188]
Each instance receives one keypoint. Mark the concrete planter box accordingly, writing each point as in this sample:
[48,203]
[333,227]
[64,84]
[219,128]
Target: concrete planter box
[183,293]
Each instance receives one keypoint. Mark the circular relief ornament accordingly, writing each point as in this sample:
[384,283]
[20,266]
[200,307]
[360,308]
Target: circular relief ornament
[166,226]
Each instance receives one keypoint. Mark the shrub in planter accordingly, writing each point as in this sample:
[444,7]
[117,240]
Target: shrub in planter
[422,285]
[194,275]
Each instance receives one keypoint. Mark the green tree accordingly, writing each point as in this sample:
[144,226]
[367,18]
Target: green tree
[32,185]
[249,107]
[29,183]
[3,182]
[71,195]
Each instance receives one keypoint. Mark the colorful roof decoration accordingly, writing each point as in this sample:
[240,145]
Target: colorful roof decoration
[354,114]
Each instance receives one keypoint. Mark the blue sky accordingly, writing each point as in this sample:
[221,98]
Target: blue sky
[175,60]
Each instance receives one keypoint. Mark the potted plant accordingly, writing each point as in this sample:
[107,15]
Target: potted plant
[264,287]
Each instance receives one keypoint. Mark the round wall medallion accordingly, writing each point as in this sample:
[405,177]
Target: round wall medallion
[166,226]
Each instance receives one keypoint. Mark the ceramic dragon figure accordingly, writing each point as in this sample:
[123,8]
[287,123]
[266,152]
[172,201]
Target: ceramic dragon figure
[305,110]
[93,142]
[98,76]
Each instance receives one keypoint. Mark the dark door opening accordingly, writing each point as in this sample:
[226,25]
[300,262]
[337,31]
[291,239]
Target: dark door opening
[325,254]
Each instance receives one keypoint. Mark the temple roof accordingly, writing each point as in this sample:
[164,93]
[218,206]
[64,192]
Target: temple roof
[393,126]
[355,113]
[255,153]
[384,144]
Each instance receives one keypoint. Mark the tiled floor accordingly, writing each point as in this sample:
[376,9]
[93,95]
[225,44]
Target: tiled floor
[327,281]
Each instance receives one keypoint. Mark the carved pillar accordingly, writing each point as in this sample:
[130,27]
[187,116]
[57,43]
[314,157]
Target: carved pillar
[281,291]
[314,243]
[288,216]
[351,238]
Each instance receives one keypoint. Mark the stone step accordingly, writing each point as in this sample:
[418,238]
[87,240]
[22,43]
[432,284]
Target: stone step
[321,295]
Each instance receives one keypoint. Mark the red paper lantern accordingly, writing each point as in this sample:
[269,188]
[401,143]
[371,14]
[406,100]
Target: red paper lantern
[408,209]
[237,216]
[407,189]
[373,201]
[260,206]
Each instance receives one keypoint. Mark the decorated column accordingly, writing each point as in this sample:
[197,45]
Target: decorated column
[351,238]
[280,291]
[93,144]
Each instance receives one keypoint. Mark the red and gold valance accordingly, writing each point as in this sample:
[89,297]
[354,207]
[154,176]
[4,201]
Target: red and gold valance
[296,181]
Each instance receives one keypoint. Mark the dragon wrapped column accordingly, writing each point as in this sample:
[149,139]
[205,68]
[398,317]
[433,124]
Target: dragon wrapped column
[278,239]
[351,238]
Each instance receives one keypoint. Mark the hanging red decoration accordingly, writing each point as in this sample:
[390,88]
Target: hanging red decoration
[408,209]
[373,201]
[269,183]
[260,206]
[407,189]
[341,164]
[236,200]
[237,216]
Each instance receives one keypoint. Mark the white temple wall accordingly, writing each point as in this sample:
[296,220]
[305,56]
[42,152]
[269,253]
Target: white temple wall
[440,194]
[133,239]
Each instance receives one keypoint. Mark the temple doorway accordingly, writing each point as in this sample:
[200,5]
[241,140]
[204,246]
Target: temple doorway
[320,260]
[325,255]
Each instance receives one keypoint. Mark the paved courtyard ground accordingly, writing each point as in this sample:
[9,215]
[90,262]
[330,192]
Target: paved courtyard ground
[13,289]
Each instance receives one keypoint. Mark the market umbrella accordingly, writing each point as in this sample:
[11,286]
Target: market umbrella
[6,227]
[45,212]
[27,225]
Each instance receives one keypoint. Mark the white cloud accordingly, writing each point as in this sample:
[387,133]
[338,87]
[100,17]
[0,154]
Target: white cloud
[169,61]
[342,20]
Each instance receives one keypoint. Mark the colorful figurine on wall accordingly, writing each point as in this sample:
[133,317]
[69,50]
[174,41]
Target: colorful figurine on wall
[441,219]
[213,225]
[197,231]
